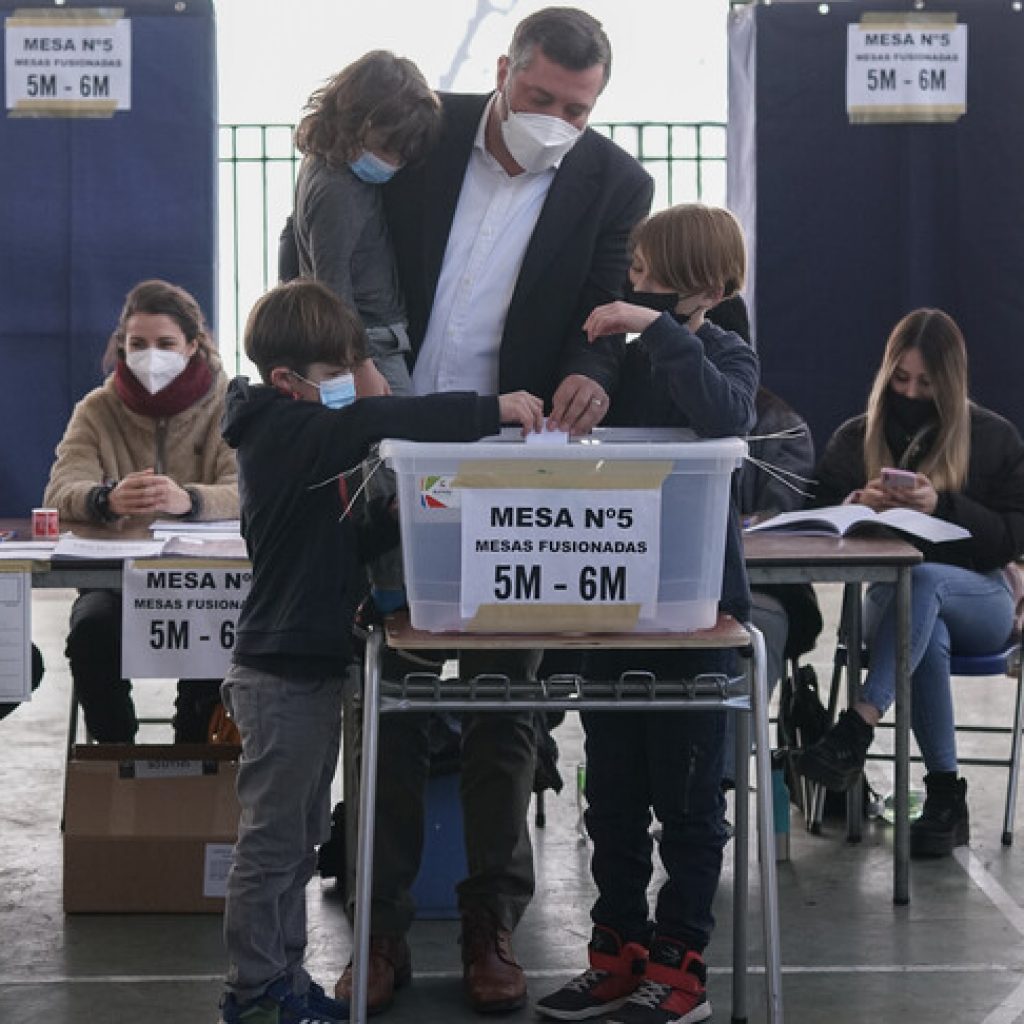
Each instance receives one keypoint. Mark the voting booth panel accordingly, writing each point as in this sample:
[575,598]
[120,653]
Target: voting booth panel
[108,175]
[858,210]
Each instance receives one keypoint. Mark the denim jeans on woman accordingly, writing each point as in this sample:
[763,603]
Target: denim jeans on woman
[668,762]
[951,609]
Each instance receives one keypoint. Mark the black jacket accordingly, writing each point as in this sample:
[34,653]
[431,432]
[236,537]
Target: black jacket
[306,571]
[991,504]
[763,494]
[576,259]
[706,381]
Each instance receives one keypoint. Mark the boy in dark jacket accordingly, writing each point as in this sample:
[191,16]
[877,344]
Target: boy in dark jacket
[297,436]
[644,967]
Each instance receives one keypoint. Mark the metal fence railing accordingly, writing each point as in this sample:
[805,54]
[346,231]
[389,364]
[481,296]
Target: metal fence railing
[258,164]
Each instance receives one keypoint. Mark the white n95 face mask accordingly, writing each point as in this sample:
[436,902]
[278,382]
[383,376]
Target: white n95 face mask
[155,368]
[537,141]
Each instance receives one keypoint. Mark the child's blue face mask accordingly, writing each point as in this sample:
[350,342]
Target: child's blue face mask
[372,169]
[337,392]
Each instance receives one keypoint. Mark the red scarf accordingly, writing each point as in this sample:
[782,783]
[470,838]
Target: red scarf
[184,391]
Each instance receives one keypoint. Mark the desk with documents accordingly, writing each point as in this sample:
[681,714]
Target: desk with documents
[770,557]
[854,561]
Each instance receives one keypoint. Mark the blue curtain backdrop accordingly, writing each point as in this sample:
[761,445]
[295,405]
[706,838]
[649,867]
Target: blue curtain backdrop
[854,225]
[90,207]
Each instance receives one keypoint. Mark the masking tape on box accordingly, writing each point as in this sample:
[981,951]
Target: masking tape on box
[564,474]
[554,618]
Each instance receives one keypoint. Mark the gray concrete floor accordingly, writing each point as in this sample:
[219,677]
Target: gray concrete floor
[955,954]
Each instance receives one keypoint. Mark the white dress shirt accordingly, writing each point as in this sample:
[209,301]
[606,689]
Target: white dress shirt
[493,222]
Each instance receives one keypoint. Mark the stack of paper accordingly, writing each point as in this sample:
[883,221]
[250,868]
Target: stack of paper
[215,538]
[179,544]
[27,550]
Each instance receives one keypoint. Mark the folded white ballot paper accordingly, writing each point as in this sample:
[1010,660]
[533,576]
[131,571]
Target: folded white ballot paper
[547,437]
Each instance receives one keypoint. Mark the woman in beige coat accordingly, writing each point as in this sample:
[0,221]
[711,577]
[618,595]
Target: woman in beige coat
[145,444]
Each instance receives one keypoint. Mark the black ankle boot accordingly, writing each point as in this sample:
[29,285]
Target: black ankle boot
[837,759]
[944,822]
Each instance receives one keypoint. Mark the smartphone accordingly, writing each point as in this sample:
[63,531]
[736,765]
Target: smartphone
[898,478]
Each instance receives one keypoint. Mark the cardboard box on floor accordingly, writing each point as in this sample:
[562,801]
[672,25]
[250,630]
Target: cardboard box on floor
[149,829]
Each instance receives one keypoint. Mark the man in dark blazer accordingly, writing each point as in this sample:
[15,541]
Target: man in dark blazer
[576,257]
[509,233]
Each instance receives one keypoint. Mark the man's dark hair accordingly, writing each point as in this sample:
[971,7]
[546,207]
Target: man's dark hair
[568,36]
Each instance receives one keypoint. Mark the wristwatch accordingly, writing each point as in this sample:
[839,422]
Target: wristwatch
[99,500]
[194,504]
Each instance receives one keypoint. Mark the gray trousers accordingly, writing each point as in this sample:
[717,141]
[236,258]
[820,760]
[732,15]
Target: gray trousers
[291,735]
[498,756]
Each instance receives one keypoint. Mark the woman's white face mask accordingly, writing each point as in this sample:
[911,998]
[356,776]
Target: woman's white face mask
[537,141]
[155,368]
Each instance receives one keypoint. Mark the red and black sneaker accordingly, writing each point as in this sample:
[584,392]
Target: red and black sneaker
[673,990]
[616,969]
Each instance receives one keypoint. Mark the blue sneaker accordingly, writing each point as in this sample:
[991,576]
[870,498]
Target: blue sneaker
[280,1005]
[318,1001]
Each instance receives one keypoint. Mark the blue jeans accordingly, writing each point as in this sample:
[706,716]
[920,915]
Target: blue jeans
[670,762]
[951,609]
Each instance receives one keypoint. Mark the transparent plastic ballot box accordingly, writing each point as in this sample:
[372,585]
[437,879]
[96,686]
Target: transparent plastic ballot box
[623,529]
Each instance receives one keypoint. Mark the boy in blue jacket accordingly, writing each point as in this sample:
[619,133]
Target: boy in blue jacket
[297,436]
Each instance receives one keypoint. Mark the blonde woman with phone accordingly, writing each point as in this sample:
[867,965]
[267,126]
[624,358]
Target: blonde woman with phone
[923,444]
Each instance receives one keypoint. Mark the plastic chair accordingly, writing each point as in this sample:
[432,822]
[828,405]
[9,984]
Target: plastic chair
[1008,661]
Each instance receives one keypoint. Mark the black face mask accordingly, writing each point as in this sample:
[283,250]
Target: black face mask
[660,302]
[911,413]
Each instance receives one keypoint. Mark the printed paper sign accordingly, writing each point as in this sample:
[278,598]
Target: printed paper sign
[67,63]
[216,865]
[150,769]
[904,69]
[15,630]
[568,547]
[179,618]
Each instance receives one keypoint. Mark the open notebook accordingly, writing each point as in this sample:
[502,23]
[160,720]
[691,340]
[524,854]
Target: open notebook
[840,520]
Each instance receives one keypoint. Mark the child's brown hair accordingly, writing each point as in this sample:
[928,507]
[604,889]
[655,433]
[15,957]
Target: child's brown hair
[379,97]
[300,323]
[694,248]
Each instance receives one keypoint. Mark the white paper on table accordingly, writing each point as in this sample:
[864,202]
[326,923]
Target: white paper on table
[70,546]
[176,527]
[21,550]
[205,546]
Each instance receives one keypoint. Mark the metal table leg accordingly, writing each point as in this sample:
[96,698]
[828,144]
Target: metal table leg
[853,627]
[741,859]
[901,845]
[765,828]
[364,849]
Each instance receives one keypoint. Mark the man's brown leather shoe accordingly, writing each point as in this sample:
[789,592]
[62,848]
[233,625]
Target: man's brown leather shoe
[390,968]
[492,979]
